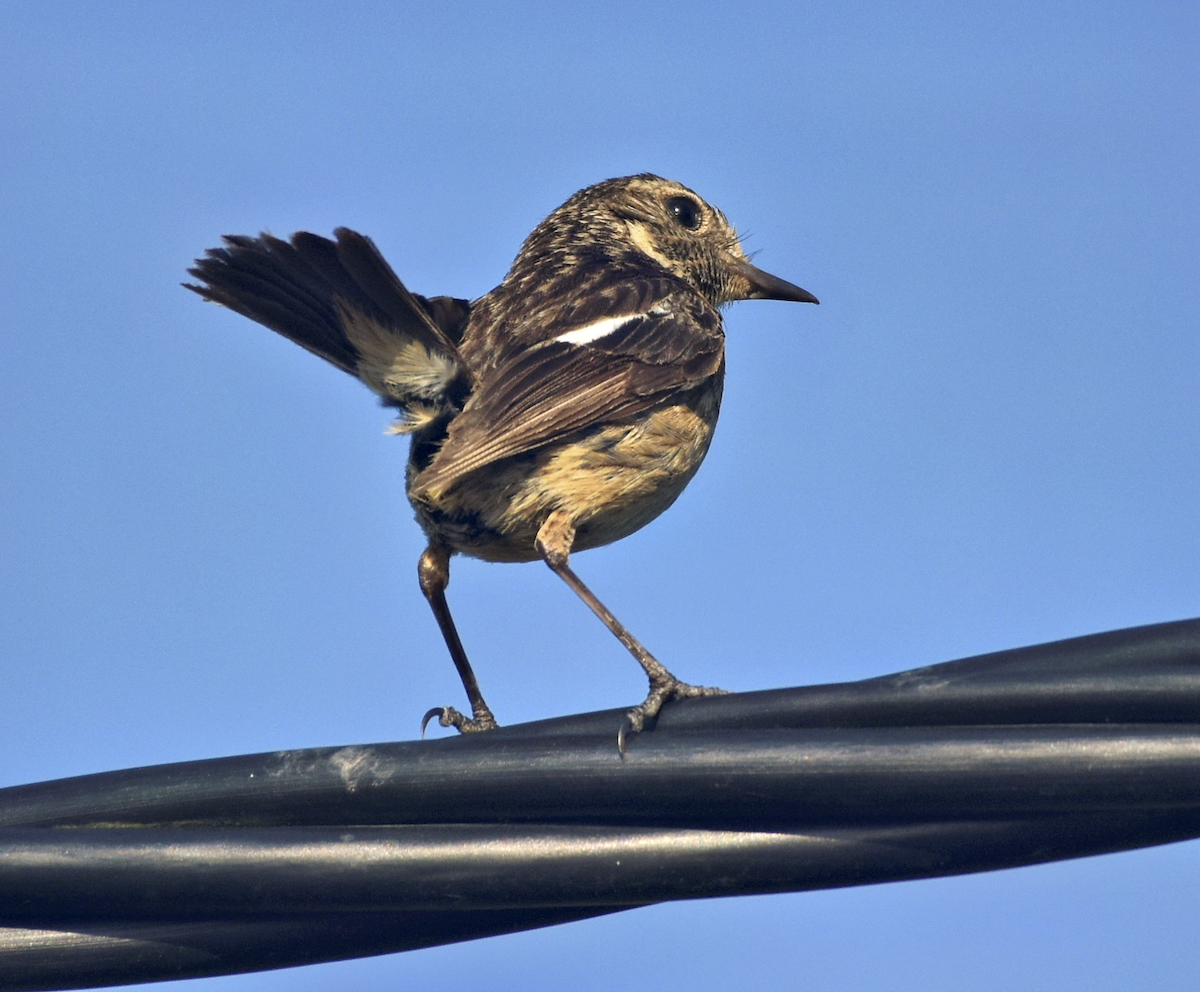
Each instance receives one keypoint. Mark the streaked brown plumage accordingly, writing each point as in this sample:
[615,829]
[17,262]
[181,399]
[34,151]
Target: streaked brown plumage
[562,411]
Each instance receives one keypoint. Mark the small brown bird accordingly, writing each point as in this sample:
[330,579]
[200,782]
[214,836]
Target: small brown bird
[562,411]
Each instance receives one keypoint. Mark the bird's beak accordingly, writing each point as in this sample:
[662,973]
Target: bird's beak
[754,284]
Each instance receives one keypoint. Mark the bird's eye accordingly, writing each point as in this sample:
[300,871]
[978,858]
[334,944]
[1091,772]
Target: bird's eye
[685,210]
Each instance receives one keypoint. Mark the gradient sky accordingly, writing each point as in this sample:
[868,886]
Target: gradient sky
[987,435]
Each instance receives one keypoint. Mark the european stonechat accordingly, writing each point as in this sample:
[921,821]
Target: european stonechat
[562,411]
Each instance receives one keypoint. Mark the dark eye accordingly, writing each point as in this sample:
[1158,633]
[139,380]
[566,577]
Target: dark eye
[685,210]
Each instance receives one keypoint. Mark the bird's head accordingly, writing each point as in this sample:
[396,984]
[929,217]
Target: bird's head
[634,218]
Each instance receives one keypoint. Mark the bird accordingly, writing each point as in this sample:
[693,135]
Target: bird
[562,411]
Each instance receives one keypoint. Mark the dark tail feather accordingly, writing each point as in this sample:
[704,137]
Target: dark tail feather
[302,289]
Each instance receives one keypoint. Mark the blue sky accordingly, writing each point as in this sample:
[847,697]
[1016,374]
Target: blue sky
[987,435]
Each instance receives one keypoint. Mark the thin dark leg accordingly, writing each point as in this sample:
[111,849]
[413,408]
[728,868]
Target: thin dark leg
[554,542]
[433,572]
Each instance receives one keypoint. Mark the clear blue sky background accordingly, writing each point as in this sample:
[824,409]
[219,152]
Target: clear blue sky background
[987,435]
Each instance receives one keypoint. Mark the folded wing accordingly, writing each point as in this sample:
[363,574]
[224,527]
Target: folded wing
[614,366]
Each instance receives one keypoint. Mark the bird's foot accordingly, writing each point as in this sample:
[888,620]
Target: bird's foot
[448,716]
[660,691]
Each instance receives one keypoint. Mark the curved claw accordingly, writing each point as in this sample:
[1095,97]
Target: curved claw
[660,692]
[439,712]
[627,728]
[448,716]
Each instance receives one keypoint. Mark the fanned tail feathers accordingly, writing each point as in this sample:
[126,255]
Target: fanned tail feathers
[342,301]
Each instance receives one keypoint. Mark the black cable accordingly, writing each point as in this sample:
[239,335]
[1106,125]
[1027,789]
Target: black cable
[261,861]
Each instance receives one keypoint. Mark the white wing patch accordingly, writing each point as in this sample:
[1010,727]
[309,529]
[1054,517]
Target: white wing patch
[600,329]
[589,333]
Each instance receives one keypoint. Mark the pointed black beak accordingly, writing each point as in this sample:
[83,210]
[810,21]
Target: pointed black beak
[764,286]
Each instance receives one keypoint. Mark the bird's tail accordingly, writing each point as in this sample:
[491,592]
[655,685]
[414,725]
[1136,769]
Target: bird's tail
[342,301]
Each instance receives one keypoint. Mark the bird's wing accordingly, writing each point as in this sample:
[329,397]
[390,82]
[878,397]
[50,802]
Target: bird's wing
[603,367]
[341,300]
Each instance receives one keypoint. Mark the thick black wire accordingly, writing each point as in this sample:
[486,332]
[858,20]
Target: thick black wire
[262,861]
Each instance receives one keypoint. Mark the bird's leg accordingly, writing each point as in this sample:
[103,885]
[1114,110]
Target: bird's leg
[433,572]
[554,542]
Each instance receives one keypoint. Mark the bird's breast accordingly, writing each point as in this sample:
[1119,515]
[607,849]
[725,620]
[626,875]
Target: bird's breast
[612,479]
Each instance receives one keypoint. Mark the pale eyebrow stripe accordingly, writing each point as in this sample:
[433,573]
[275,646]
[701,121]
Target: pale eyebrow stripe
[594,332]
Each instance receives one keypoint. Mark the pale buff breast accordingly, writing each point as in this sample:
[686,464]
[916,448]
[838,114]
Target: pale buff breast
[612,481]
